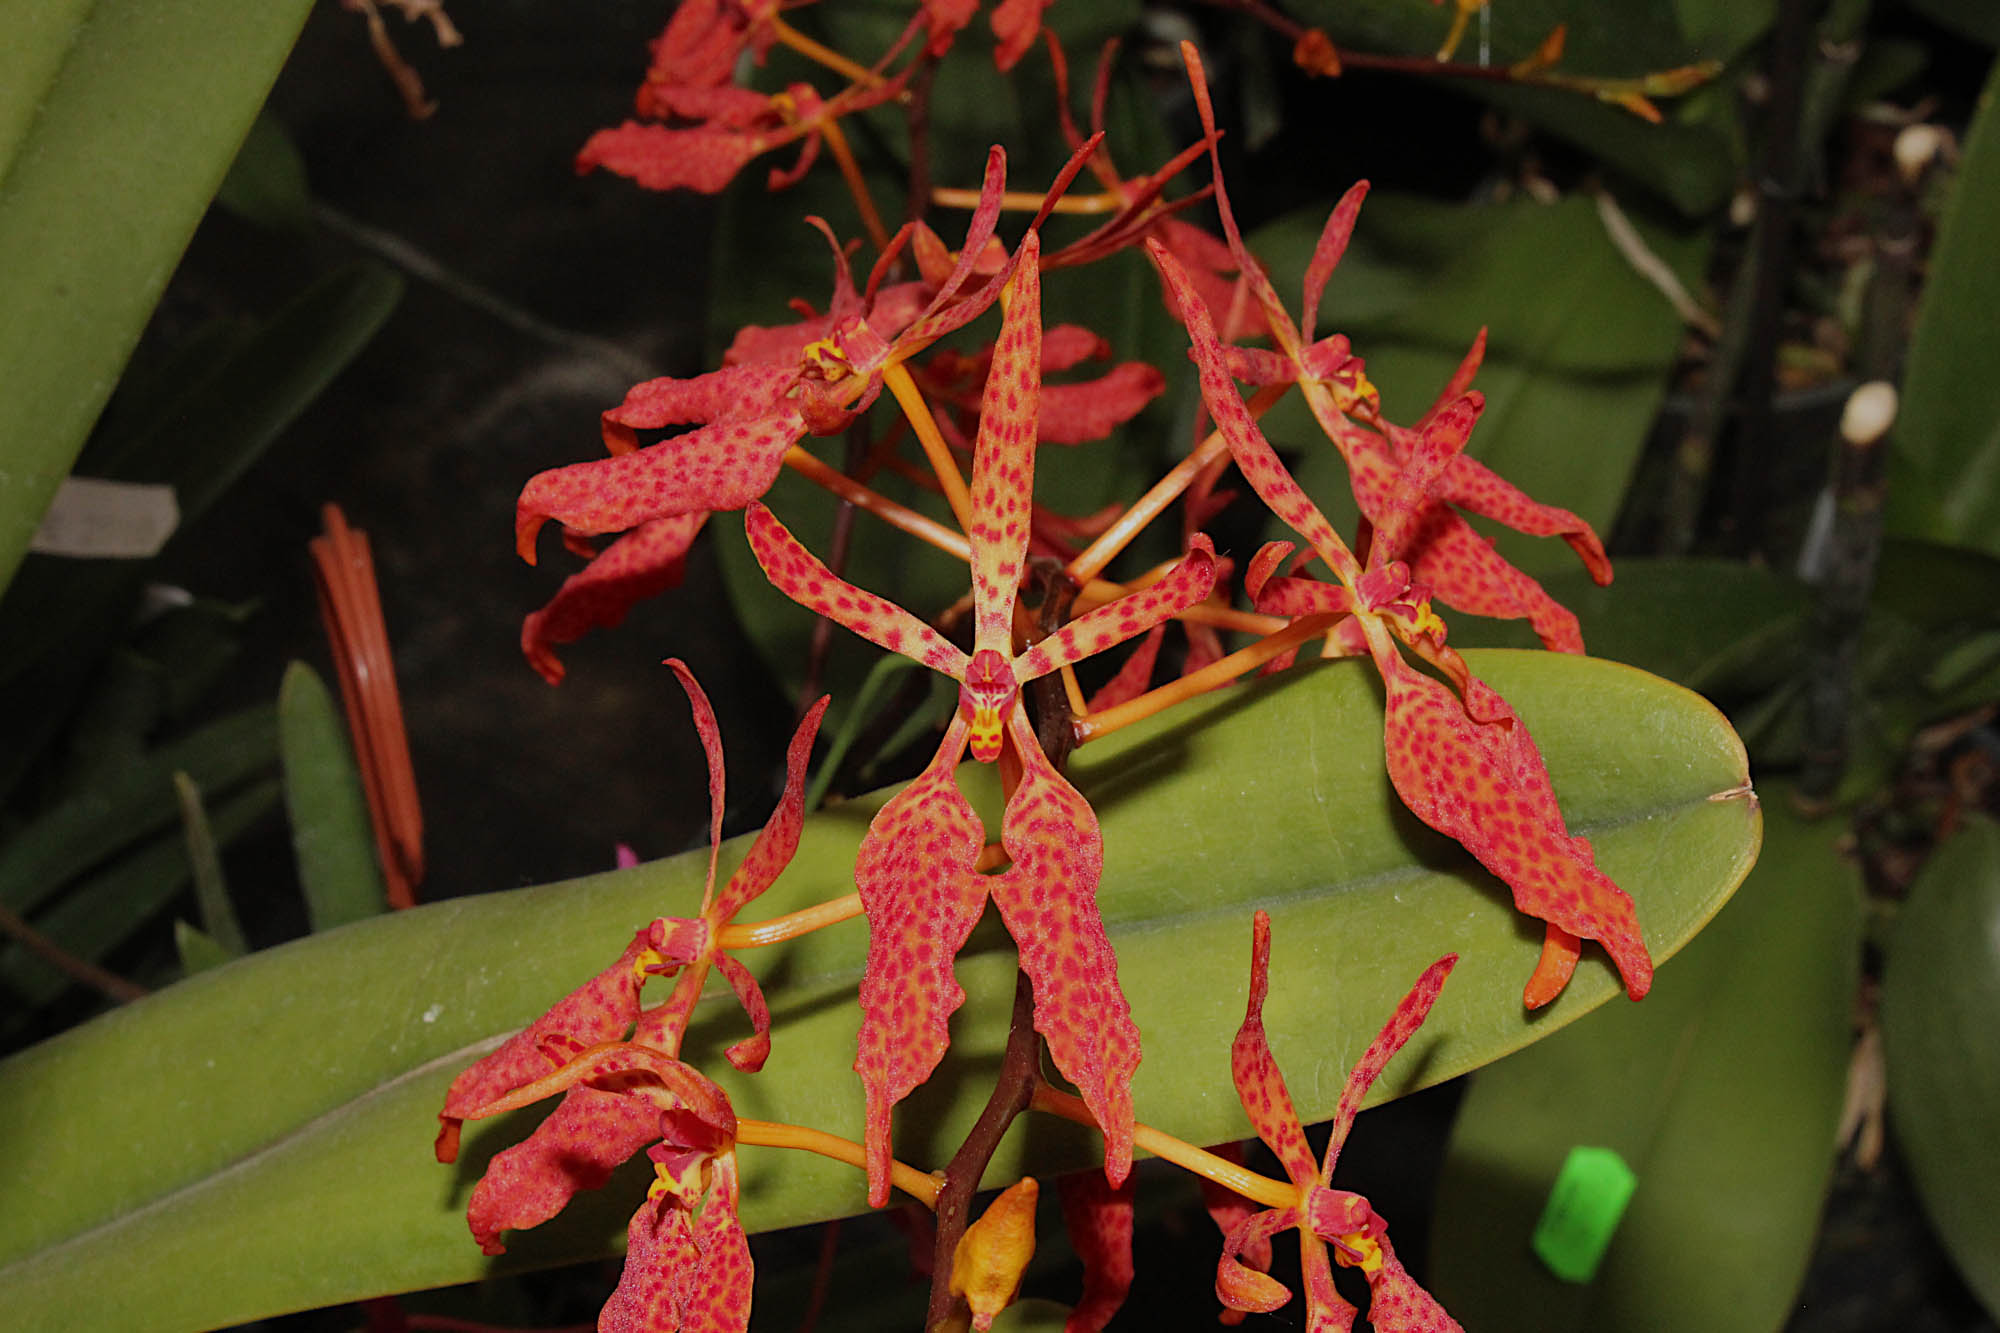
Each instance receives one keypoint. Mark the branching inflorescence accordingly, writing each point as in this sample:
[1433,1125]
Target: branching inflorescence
[1456,753]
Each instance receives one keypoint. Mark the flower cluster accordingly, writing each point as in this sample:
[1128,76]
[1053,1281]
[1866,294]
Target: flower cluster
[1456,753]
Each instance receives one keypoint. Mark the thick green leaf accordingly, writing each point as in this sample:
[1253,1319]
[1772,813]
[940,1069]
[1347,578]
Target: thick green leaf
[1944,478]
[1578,348]
[1943,1050]
[322,1062]
[331,835]
[1721,1092]
[117,123]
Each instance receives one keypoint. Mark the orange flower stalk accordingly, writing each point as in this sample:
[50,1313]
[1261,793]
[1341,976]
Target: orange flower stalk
[917,867]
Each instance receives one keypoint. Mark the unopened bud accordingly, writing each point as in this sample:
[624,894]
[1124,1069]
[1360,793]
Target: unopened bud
[986,1267]
[1917,146]
[1870,411]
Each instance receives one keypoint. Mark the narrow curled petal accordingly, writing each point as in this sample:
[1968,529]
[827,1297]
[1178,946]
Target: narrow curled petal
[1099,1219]
[1396,1304]
[1251,1289]
[1048,898]
[1003,458]
[685,1273]
[1255,1071]
[798,574]
[1426,454]
[644,563]
[1109,625]
[1402,1025]
[1135,677]
[734,393]
[922,896]
[723,466]
[779,838]
[711,744]
[1326,1310]
[1326,255]
[1255,457]
[1226,1208]
[577,1147]
[749,1054]
[1484,783]
[1471,485]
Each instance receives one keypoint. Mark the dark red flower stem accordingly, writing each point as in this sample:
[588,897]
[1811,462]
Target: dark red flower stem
[1013,1089]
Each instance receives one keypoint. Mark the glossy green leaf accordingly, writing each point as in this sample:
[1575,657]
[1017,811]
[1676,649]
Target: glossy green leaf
[117,121]
[323,1061]
[1721,1092]
[1578,348]
[1942,1048]
[1944,478]
[331,835]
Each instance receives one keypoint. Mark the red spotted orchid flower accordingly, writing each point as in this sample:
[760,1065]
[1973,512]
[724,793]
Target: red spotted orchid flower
[1464,764]
[1460,567]
[1322,1215]
[916,870]
[600,1123]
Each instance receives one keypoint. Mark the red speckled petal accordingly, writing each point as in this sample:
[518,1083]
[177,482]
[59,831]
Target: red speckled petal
[800,576]
[1425,455]
[711,744]
[685,1274]
[1461,379]
[1326,1310]
[1333,238]
[1484,783]
[922,896]
[749,1054]
[772,851]
[1066,346]
[1398,1305]
[1253,453]
[643,563]
[1470,484]
[1048,898]
[944,18]
[601,1010]
[724,466]
[1255,1071]
[1015,23]
[1134,678]
[1003,458]
[1402,1025]
[1099,1219]
[734,393]
[1092,409]
[587,1137]
[700,46]
[1251,1289]
[1109,625]
[703,159]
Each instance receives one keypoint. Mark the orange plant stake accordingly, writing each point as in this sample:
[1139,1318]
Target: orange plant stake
[350,606]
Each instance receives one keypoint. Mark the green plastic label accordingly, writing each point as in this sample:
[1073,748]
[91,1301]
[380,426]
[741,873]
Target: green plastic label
[1582,1213]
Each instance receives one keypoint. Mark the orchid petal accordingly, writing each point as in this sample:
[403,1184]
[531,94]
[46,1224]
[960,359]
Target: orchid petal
[1471,485]
[1048,899]
[1326,1310]
[600,1010]
[700,46]
[1426,455]
[734,393]
[1091,409]
[1259,1084]
[798,574]
[1461,378]
[701,158]
[711,744]
[1003,458]
[1133,678]
[1484,783]
[1066,346]
[1255,457]
[1332,244]
[588,1136]
[643,563]
[1015,23]
[1242,1288]
[749,1054]
[1109,625]
[685,1274]
[1099,1218]
[721,466]
[1410,1013]
[1396,1304]
[772,851]
[922,896]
